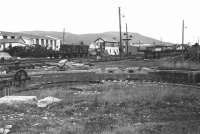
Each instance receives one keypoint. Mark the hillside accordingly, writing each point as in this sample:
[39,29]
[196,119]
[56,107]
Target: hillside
[88,38]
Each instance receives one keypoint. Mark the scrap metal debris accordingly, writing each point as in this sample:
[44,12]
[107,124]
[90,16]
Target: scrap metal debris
[47,101]
[66,65]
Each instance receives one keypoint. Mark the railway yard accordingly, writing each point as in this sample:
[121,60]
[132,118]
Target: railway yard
[106,97]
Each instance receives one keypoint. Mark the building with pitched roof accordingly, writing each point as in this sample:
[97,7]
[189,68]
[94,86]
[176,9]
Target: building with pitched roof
[110,46]
[20,39]
[10,40]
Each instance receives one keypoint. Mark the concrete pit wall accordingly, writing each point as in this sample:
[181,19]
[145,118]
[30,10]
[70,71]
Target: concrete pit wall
[176,76]
[63,76]
[170,76]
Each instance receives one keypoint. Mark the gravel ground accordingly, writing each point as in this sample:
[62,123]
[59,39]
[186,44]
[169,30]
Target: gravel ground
[113,107]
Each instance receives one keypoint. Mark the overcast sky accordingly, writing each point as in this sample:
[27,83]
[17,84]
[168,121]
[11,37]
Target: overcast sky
[161,19]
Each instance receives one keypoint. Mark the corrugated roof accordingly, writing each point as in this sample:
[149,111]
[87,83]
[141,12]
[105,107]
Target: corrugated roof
[107,40]
[26,35]
[18,40]
[36,36]
[7,33]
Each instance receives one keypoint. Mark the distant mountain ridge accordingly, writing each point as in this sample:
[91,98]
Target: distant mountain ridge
[71,38]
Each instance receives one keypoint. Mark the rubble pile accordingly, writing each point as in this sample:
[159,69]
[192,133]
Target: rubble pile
[6,129]
[47,101]
[62,65]
[32,100]
[69,65]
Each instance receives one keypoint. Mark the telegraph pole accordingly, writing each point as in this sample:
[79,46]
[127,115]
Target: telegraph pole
[183,30]
[198,56]
[120,35]
[183,27]
[63,39]
[126,39]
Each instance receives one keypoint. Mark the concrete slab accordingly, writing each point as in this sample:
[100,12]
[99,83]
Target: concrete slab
[11,100]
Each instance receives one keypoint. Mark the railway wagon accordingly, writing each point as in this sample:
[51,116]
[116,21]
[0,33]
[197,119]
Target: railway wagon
[72,51]
[159,51]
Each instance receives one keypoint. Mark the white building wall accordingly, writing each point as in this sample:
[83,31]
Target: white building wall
[34,41]
[17,44]
[48,43]
[12,45]
[8,44]
[1,47]
[1,37]
[45,43]
[112,50]
[93,46]
[58,43]
[99,42]
[28,41]
[53,45]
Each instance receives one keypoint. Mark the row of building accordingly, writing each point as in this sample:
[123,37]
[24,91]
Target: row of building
[102,45]
[10,39]
[112,47]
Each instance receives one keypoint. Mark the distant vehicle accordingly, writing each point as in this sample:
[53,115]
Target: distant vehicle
[73,50]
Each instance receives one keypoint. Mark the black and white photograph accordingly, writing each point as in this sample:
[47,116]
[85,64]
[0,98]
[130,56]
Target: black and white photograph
[99,67]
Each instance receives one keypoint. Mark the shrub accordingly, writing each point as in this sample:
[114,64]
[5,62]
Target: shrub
[30,51]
